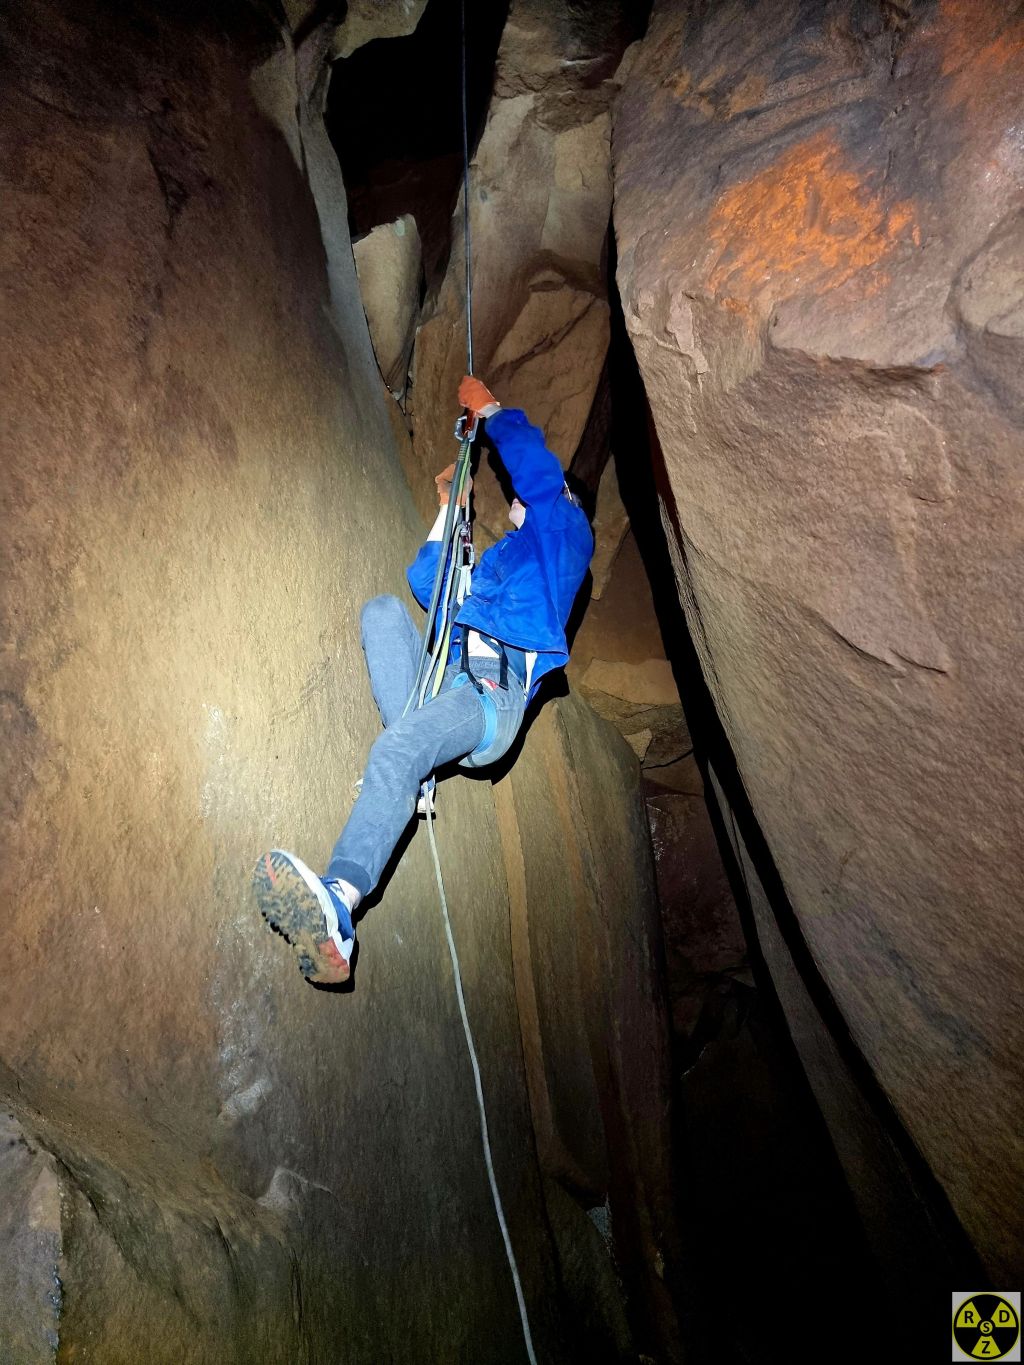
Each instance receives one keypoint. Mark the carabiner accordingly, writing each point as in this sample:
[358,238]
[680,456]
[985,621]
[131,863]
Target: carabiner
[467,547]
[463,432]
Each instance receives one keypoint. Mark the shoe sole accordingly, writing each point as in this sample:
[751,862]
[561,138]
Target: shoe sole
[290,906]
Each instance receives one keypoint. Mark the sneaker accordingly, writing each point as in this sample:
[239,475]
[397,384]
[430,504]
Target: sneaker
[427,801]
[311,914]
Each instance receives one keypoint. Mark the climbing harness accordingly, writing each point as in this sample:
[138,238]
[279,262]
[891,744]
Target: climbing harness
[456,556]
[451,585]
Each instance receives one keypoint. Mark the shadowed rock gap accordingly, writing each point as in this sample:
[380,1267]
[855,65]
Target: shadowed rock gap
[395,161]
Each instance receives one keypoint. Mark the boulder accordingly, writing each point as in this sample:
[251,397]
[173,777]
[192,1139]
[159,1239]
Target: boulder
[819,234]
[389,267]
[650,683]
[640,699]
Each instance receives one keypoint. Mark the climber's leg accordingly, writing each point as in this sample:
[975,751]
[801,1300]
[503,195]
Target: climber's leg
[314,913]
[391,644]
[392,648]
[445,729]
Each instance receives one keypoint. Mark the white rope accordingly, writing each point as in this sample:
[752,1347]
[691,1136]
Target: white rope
[460,590]
[495,1194]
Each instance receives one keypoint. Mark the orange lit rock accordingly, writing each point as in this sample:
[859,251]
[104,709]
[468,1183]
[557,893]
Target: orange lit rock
[805,223]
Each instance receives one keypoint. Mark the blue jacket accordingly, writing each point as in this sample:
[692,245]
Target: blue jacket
[523,587]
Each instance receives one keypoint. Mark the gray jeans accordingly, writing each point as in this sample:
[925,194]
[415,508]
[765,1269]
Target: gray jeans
[449,727]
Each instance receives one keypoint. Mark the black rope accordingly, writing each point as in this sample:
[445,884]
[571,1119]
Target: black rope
[465,205]
[450,549]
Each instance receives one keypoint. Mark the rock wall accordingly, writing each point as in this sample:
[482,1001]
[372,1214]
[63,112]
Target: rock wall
[204,1159]
[540,198]
[818,218]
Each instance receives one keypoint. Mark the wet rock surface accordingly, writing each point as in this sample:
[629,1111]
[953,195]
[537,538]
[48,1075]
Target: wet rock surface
[233,1166]
[817,217]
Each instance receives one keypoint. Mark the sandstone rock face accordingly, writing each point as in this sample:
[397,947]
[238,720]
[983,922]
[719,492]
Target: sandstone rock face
[818,215]
[389,265]
[215,1161]
[540,197]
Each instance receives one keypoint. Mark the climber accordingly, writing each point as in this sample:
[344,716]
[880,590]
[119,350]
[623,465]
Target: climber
[511,632]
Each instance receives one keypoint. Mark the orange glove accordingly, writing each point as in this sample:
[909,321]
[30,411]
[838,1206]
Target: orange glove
[444,486]
[477,398]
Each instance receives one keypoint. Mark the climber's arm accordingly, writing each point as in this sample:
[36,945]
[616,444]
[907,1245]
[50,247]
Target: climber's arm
[420,572]
[536,475]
